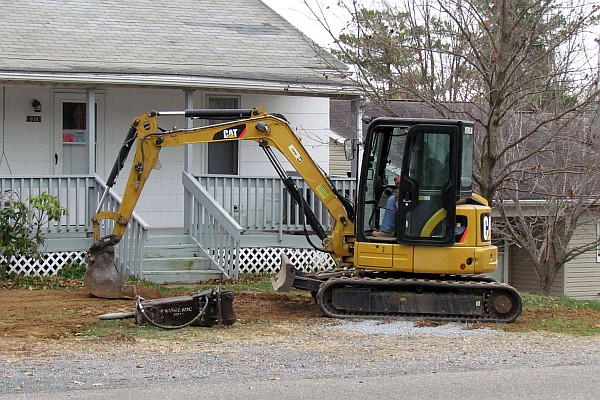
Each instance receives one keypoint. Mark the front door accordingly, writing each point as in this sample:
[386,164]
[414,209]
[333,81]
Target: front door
[72,144]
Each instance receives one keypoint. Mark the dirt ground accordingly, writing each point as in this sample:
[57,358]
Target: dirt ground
[56,314]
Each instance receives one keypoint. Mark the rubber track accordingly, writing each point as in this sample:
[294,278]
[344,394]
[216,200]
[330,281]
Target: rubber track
[462,282]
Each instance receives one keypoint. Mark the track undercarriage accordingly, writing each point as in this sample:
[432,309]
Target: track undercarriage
[348,294]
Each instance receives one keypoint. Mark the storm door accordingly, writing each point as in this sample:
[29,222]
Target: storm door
[71,146]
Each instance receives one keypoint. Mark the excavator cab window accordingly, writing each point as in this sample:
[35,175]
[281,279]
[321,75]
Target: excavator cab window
[383,168]
[426,165]
[427,205]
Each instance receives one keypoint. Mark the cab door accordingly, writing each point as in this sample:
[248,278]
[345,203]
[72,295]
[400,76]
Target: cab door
[428,186]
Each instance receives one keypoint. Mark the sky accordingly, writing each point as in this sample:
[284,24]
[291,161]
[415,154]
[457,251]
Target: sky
[296,12]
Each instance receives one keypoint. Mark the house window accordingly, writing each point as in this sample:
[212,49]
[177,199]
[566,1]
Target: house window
[74,116]
[75,153]
[223,156]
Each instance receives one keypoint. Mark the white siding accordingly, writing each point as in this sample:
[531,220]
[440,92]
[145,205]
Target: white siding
[25,147]
[161,202]
[338,165]
[309,119]
[29,146]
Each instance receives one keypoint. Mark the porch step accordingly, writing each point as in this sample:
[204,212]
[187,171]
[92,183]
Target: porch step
[181,276]
[170,250]
[166,239]
[176,264]
[174,259]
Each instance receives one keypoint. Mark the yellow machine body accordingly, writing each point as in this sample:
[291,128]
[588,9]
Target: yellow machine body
[469,256]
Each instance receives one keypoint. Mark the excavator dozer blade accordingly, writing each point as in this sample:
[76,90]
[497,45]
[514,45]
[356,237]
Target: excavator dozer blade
[283,281]
[102,279]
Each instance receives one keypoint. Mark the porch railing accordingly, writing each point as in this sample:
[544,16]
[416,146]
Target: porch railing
[218,212]
[264,203]
[129,253]
[211,227]
[80,194]
[73,192]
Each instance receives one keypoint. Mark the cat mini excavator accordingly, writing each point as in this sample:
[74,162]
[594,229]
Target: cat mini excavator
[431,267]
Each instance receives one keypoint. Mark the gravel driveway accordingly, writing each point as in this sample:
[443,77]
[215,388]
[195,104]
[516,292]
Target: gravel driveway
[348,349]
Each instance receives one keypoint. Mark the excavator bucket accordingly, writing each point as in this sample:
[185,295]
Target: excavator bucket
[102,279]
[284,279]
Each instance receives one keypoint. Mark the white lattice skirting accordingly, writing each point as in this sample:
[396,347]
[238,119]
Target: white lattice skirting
[268,260]
[49,265]
[252,261]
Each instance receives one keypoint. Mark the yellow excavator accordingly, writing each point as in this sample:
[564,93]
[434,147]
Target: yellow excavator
[416,241]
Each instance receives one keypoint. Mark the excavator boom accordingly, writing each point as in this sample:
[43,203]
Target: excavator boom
[268,131]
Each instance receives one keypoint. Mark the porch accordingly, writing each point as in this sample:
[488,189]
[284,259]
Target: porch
[232,224]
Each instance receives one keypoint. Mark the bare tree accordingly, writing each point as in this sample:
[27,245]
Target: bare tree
[551,195]
[501,58]
[524,70]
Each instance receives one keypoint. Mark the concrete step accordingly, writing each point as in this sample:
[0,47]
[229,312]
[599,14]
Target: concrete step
[180,276]
[177,264]
[179,270]
[173,258]
[170,250]
[158,240]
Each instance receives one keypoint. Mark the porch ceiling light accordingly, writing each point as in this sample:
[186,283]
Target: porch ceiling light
[37,106]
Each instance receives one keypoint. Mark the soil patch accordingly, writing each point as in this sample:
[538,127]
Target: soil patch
[56,314]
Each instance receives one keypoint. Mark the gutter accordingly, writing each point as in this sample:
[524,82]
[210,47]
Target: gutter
[187,82]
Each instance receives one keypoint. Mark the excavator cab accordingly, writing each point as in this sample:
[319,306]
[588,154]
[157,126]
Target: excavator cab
[425,166]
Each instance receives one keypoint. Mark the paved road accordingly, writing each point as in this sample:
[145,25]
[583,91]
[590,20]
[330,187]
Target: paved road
[561,382]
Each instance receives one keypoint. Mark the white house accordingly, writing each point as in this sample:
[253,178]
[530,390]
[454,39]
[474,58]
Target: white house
[74,73]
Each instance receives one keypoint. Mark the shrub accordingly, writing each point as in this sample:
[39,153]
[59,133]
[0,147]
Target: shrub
[21,225]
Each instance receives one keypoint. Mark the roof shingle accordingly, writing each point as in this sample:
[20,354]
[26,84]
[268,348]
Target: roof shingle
[238,39]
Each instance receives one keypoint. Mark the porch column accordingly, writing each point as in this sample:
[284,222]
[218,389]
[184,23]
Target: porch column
[187,162]
[356,111]
[189,123]
[90,99]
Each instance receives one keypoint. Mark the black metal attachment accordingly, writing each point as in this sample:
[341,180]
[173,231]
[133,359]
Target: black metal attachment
[204,308]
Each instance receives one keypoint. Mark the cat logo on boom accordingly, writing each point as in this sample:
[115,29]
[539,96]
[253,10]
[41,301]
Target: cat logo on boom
[235,132]
[230,133]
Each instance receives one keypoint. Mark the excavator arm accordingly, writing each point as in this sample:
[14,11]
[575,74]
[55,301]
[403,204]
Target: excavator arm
[268,131]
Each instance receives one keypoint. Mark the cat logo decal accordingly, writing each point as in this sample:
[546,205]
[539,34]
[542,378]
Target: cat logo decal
[235,132]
